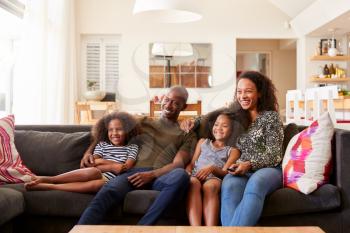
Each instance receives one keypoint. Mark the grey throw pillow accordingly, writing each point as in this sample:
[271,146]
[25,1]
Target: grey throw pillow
[51,153]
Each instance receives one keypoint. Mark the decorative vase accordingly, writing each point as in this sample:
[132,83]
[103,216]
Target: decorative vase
[332,51]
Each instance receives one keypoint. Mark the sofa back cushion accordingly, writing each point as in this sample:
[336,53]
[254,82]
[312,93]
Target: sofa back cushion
[51,153]
[289,131]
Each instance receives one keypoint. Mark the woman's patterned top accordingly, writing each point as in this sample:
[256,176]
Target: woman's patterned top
[262,144]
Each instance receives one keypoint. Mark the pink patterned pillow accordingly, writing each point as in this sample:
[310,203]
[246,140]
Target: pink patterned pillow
[307,161]
[12,170]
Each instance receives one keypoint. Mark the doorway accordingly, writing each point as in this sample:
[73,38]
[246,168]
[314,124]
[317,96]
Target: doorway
[276,58]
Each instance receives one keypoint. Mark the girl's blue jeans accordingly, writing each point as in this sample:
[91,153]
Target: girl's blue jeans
[242,197]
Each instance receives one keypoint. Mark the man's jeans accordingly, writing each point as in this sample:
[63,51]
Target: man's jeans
[242,197]
[171,186]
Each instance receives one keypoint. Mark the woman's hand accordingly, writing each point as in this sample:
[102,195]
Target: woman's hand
[187,124]
[240,168]
[189,169]
[205,172]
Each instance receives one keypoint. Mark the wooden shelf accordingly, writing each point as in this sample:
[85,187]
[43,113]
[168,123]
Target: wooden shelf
[328,58]
[329,80]
[187,76]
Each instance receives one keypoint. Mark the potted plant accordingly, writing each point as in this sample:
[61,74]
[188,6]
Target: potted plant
[91,85]
[92,94]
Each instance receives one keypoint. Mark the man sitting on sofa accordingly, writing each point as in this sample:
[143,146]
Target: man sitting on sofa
[165,151]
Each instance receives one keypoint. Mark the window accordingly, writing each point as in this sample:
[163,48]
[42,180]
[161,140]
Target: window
[11,25]
[100,62]
[8,50]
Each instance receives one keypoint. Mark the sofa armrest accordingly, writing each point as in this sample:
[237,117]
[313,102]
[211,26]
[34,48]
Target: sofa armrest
[342,157]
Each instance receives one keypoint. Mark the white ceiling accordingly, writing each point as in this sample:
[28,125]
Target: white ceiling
[292,7]
[341,25]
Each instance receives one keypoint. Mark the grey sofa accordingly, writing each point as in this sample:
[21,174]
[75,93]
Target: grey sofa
[50,150]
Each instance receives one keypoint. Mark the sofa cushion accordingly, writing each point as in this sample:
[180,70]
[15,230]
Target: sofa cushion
[12,170]
[51,153]
[11,204]
[289,131]
[288,201]
[143,198]
[307,161]
[57,203]
[138,202]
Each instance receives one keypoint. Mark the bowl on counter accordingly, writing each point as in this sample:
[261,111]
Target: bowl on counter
[94,95]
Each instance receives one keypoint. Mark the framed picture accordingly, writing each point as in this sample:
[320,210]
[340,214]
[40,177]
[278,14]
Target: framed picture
[324,45]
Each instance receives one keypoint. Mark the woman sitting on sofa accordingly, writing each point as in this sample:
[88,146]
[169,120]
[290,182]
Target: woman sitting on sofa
[111,157]
[257,172]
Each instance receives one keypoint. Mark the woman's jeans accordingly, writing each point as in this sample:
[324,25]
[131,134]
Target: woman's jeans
[172,187]
[242,197]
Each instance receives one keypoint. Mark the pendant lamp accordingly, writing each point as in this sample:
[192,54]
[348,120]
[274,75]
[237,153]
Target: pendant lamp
[168,11]
[172,49]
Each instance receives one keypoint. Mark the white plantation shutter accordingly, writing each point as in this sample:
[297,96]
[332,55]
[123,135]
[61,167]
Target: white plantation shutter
[93,62]
[101,62]
[111,66]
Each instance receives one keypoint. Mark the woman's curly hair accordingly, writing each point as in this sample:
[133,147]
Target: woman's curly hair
[267,90]
[130,125]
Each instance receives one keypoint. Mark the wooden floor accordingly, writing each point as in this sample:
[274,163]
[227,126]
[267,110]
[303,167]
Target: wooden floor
[188,229]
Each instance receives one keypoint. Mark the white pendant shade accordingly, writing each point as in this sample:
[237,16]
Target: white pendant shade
[168,11]
[172,49]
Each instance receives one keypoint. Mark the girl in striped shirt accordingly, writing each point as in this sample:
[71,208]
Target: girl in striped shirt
[112,156]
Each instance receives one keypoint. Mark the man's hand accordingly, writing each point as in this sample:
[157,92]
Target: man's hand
[141,178]
[205,172]
[87,160]
[241,168]
[187,124]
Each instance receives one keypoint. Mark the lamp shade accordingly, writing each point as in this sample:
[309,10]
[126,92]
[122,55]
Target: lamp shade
[168,11]
[172,49]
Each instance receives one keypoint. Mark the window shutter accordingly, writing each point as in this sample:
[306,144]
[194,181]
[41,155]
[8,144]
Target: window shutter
[111,66]
[93,62]
[101,62]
